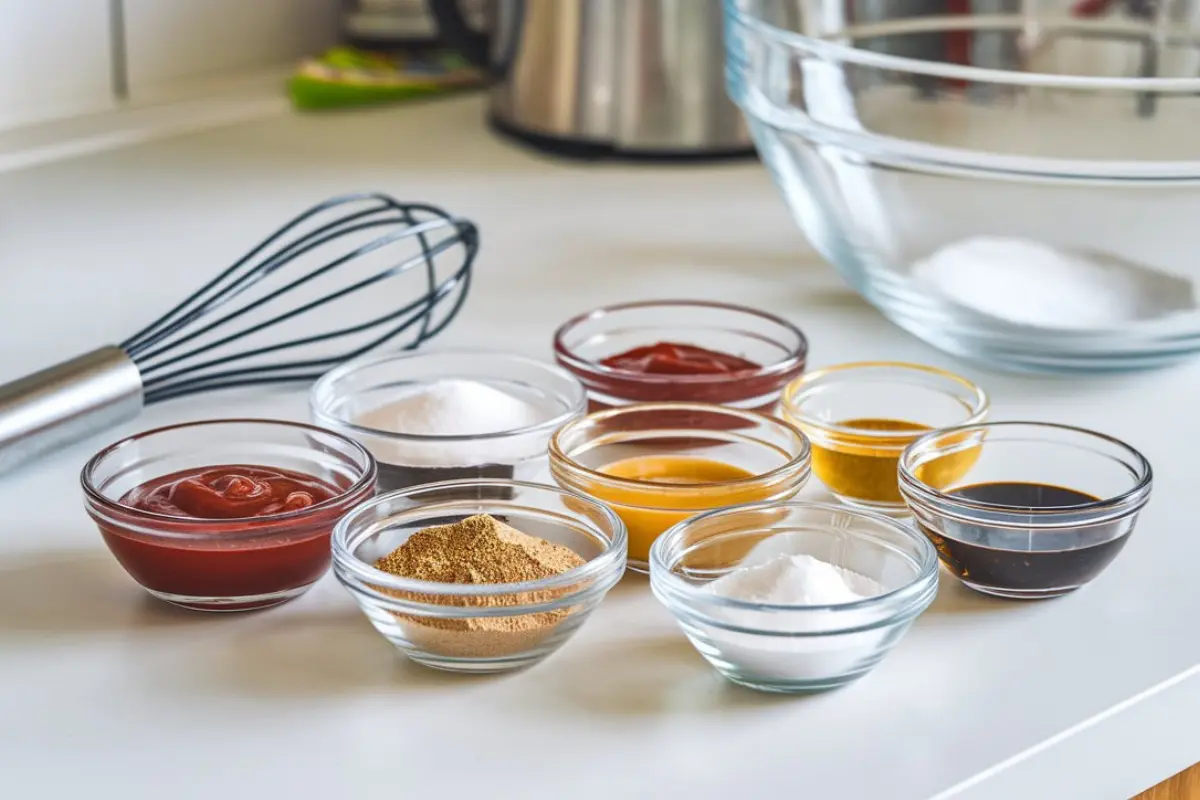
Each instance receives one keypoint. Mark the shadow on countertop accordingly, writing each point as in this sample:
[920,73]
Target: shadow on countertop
[270,652]
[954,598]
[69,592]
[308,654]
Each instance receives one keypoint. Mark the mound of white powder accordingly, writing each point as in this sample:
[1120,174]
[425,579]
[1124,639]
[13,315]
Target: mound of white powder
[799,580]
[455,407]
[1026,282]
[774,573]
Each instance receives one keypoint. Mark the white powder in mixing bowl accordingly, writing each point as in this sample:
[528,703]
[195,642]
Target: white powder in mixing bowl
[1026,282]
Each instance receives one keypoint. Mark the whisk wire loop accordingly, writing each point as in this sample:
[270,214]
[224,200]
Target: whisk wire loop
[320,262]
[197,304]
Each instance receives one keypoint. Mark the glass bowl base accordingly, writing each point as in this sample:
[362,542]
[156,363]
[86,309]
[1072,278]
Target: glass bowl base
[473,651]
[807,686]
[1019,594]
[251,602]
[1046,355]
[473,666]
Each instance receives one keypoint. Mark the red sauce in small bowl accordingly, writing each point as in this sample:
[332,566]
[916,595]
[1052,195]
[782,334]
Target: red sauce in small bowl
[228,536]
[681,351]
[229,492]
[670,358]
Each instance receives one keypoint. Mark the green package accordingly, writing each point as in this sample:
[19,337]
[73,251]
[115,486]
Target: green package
[345,77]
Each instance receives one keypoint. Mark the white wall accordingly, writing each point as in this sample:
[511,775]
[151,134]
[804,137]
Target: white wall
[54,59]
[172,42]
[56,56]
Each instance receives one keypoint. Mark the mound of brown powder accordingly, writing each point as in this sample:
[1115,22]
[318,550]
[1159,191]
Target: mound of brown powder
[479,550]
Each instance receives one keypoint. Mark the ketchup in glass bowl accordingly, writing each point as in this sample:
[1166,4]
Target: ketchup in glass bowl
[681,350]
[226,515]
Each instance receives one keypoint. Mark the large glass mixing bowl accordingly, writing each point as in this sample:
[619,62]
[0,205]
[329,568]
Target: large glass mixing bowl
[1013,181]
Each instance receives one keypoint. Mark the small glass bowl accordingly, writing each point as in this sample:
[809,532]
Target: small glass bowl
[1077,498]
[225,564]
[777,345]
[408,460]
[773,452]
[479,627]
[793,648]
[860,417]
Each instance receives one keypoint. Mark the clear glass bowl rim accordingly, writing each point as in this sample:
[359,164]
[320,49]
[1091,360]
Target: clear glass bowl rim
[799,462]
[661,572]
[933,158]
[266,525]
[611,559]
[578,402]
[567,356]
[834,51]
[979,407]
[939,503]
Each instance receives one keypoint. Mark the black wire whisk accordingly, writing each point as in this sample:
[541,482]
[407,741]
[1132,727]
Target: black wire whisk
[346,276]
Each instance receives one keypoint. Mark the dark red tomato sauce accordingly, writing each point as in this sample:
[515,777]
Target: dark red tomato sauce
[229,493]
[227,544]
[708,376]
[670,358]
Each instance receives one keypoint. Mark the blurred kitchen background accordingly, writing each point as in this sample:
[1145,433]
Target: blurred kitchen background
[71,57]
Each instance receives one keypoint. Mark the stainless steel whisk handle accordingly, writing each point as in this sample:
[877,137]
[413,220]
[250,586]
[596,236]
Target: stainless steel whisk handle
[67,402]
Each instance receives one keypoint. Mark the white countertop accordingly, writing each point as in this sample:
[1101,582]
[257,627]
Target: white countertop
[1092,695]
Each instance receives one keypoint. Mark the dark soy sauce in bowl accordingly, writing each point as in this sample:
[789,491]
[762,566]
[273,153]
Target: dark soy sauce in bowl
[1031,562]
[1044,509]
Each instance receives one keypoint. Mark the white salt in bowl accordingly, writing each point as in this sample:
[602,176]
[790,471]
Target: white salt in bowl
[793,647]
[351,399]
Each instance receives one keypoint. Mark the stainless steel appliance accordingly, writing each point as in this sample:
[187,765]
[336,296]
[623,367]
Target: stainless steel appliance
[602,77]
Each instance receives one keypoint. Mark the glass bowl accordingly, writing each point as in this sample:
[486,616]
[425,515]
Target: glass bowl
[1043,510]
[779,347]
[693,457]
[793,648]
[479,627]
[358,387]
[860,417]
[225,564]
[908,136]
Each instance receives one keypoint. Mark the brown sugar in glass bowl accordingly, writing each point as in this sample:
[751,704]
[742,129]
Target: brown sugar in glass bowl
[452,601]
[775,349]
[228,563]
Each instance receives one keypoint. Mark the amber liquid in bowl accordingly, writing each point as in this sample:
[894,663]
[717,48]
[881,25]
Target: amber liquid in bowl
[647,510]
[863,468]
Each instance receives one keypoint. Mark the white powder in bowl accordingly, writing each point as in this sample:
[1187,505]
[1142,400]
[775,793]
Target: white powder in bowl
[795,579]
[1026,282]
[455,407]
[452,407]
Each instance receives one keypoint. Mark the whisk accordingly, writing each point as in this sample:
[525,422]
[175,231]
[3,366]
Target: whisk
[256,322]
